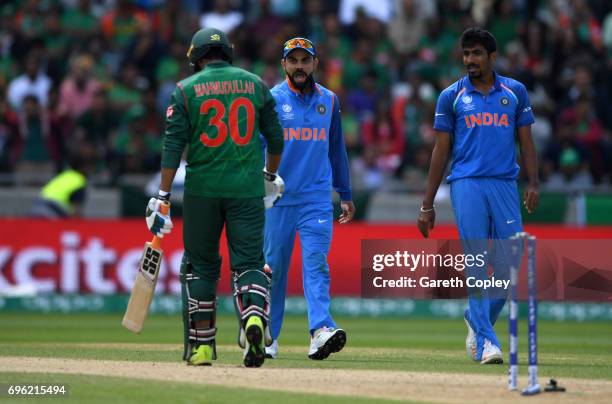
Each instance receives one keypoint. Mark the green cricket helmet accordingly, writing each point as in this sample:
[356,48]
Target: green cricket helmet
[204,40]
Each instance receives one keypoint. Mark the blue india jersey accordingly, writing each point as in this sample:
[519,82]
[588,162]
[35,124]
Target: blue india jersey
[314,159]
[483,127]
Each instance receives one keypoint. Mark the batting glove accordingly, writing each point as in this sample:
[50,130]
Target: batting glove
[275,186]
[157,222]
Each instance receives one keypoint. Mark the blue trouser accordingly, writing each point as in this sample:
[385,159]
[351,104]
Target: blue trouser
[313,222]
[486,208]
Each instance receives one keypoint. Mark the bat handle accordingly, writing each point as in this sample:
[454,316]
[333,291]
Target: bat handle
[163,209]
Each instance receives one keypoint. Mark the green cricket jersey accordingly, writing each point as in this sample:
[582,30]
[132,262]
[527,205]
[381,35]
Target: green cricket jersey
[219,113]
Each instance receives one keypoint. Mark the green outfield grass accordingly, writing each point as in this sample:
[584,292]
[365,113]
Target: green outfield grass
[577,350]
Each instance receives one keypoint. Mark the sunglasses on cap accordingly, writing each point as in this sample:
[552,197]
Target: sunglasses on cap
[298,43]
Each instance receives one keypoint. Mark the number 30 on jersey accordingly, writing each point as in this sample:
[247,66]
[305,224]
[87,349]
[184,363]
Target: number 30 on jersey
[218,121]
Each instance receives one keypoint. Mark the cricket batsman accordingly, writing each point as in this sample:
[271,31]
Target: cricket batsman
[315,160]
[477,120]
[218,113]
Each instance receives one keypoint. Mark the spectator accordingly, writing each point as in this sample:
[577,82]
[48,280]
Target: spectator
[406,29]
[583,87]
[79,22]
[166,21]
[607,33]
[314,20]
[56,45]
[380,132]
[78,89]
[561,50]
[363,99]
[119,25]
[566,167]
[587,131]
[33,81]
[9,136]
[381,10]
[40,150]
[505,24]
[144,50]
[170,69]
[30,19]
[265,24]
[126,92]
[222,17]
[154,118]
[97,127]
[8,65]
[136,150]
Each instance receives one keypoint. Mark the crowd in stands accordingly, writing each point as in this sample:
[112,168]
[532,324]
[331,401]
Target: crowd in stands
[93,77]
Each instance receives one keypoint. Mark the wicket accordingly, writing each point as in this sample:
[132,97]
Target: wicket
[518,240]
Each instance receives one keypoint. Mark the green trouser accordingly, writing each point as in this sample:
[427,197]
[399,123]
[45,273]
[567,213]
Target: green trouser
[203,221]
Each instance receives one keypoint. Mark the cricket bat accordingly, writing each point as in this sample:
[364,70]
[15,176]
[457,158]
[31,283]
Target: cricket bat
[144,285]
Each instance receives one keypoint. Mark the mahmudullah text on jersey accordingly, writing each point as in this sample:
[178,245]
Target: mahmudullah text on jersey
[224,87]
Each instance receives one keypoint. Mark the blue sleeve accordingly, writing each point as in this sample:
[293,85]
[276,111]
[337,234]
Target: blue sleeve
[524,114]
[444,119]
[337,155]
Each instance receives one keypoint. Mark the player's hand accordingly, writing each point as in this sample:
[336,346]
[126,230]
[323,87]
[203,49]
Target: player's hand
[427,219]
[157,222]
[532,197]
[275,186]
[348,211]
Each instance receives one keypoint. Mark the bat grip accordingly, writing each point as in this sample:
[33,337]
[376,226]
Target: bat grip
[164,209]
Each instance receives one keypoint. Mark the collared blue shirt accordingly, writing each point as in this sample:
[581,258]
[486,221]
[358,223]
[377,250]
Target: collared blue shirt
[483,127]
[314,156]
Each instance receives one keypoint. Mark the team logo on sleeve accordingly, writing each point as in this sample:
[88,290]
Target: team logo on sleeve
[169,111]
[504,101]
[321,108]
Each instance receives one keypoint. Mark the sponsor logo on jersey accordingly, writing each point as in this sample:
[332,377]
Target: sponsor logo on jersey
[321,109]
[467,99]
[504,101]
[169,111]
[305,134]
[486,119]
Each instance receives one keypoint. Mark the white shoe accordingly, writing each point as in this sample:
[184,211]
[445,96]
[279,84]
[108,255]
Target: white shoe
[491,354]
[272,350]
[470,340]
[325,342]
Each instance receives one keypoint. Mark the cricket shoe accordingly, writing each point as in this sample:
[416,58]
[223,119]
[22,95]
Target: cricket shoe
[491,354]
[242,337]
[254,351]
[202,356]
[470,340]
[272,350]
[325,342]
